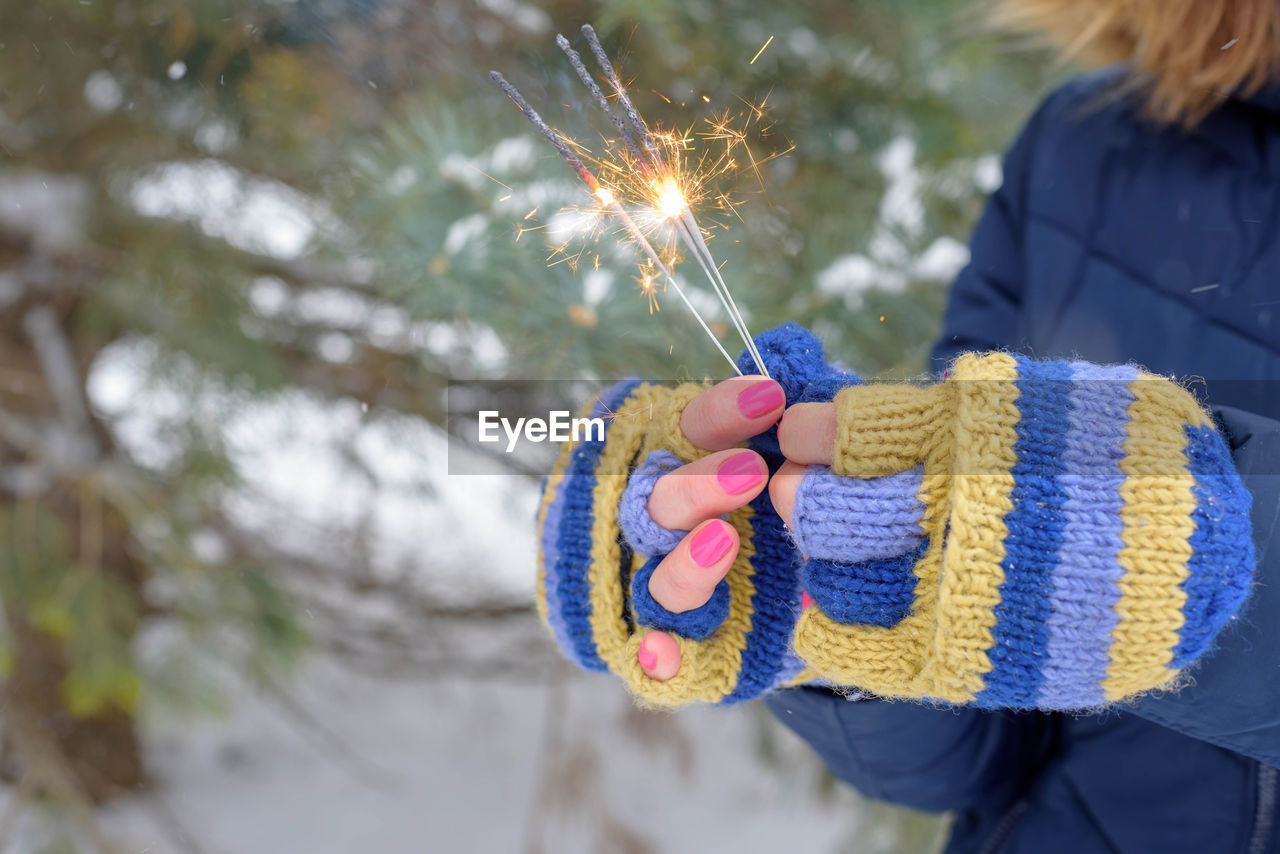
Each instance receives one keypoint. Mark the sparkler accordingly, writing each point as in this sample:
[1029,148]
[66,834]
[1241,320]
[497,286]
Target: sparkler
[606,198]
[648,177]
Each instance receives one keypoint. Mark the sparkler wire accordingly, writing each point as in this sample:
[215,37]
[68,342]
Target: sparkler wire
[613,206]
[575,59]
[644,244]
[543,128]
[709,266]
[615,81]
[686,225]
[651,162]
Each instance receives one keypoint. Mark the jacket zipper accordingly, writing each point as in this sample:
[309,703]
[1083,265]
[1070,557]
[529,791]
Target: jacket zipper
[1265,809]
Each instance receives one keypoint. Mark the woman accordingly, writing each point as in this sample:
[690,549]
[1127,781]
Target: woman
[1138,222]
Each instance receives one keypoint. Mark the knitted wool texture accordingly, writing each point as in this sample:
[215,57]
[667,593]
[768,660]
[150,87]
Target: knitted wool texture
[644,535]
[647,537]
[1053,535]
[598,546]
[1084,537]
[854,519]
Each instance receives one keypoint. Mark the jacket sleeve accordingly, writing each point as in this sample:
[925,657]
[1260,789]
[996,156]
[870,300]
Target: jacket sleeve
[926,757]
[1233,699]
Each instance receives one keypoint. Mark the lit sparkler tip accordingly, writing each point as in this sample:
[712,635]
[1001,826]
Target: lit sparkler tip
[668,196]
[670,199]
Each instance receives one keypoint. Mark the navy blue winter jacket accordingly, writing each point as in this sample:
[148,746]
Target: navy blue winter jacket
[1114,240]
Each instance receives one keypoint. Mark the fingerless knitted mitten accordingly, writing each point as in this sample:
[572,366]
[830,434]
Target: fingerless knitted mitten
[1022,535]
[599,546]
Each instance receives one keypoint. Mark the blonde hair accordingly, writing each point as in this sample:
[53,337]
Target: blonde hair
[1186,57]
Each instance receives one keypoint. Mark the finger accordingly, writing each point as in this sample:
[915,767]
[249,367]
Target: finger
[686,578]
[783,487]
[707,488]
[659,656]
[807,433]
[731,412]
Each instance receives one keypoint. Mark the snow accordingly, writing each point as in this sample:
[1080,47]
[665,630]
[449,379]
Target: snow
[327,481]
[445,766]
[524,16]
[103,92]
[464,232]
[596,286]
[254,214]
[901,207]
[944,258]
[49,209]
[988,173]
[851,277]
[892,261]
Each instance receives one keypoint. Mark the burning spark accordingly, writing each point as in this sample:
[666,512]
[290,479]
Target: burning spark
[655,178]
[490,177]
[670,198]
[760,51]
[649,288]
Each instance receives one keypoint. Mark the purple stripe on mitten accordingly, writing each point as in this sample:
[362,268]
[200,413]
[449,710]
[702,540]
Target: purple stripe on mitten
[854,519]
[645,536]
[698,624]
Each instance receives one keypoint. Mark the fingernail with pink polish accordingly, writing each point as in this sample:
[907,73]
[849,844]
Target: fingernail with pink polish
[648,658]
[710,544]
[761,399]
[739,473]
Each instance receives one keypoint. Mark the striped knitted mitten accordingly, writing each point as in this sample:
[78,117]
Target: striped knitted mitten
[598,545]
[1024,534]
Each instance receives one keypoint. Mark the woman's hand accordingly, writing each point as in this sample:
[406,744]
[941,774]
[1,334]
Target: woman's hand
[807,436]
[693,496]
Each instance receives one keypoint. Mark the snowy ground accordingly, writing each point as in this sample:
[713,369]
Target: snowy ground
[565,765]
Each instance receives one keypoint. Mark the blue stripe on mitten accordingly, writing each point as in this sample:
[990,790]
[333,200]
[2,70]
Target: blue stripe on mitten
[698,624]
[875,592]
[862,536]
